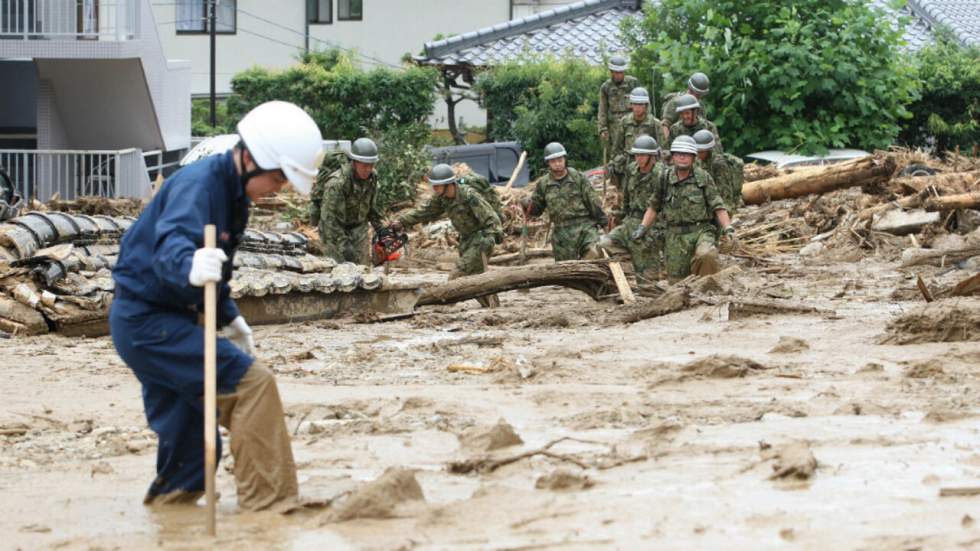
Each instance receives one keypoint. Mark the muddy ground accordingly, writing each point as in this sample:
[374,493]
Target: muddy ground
[688,431]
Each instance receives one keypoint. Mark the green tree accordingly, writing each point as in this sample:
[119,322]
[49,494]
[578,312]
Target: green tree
[537,101]
[390,106]
[948,109]
[802,75]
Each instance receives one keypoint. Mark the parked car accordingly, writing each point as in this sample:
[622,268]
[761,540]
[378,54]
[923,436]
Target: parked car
[493,161]
[787,160]
[223,142]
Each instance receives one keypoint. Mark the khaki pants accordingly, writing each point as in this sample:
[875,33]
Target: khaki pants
[265,472]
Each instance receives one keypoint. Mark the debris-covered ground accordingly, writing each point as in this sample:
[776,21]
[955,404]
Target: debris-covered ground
[809,397]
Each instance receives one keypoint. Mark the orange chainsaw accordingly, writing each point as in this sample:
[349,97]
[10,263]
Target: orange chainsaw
[386,245]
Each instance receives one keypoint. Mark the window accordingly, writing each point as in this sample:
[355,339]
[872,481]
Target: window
[192,16]
[320,11]
[350,10]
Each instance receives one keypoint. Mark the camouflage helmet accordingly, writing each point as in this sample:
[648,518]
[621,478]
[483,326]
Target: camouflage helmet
[684,144]
[553,151]
[687,102]
[645,144]
[699,83]
[617,63]
[364,150]
[441,174]
[639,95]
[705,140]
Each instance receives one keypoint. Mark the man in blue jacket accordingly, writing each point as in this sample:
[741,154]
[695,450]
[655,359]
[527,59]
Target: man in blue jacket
[159,276]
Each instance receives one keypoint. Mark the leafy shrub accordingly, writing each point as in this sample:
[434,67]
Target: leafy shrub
[802,75]
[537,101]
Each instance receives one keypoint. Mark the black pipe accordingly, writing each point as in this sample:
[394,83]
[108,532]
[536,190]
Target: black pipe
[212,8]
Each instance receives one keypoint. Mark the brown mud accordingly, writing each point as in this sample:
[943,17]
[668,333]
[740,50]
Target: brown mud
[686,431]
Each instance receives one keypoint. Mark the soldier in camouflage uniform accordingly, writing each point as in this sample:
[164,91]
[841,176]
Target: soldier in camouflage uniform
[572,205]
[478,226]
[614,103]
[346,202]
[690,205]
[690,121]
[697,86]
[641,181]
[479,184]
[725,169]
[632,126]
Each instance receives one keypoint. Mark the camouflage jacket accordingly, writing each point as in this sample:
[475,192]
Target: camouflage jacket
[614,101]
[344,202]
[693,200]
[467,211]
[637,188]
[726,171]
[486,190]
[570,199]
[680,129]
[628,131]
[669,111]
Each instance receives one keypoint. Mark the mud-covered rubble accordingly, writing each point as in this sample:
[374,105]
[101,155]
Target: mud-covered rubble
[55,269]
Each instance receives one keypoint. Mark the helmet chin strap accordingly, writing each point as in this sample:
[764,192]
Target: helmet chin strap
[249,174]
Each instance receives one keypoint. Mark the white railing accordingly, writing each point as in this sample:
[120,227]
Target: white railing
[43,174]
[114,20]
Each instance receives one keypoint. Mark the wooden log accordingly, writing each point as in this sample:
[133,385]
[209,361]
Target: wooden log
[910,202]
[953,202]
[969,286]
[943,257]
[17,318]
[674,300]
[591,277]
[868,170]
[968,491]
[514,258]
[953,181]
[741,309]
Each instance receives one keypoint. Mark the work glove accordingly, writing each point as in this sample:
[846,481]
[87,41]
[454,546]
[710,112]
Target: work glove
[241,334]
[638,233]
[206,266]
[728,240]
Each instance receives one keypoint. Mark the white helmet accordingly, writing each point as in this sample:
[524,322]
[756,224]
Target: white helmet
[684,144]
[280,135]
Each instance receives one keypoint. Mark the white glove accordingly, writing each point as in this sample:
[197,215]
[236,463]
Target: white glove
[206,266]
[241,334]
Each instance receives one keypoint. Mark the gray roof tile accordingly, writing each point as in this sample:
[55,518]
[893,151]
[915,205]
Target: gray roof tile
[591,28]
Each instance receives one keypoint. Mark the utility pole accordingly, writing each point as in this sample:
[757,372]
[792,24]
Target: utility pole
[212,20]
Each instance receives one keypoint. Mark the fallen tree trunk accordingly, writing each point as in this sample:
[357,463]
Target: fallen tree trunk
[513,258]
[942,257]
[954,181]
[741,309]
[910,202]
[868,170]
[591,277]
[953,202]
[674,300]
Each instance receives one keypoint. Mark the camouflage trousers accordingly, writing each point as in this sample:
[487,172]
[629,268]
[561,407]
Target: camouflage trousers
[575,240]
[474,252]
[348,245]
[645,253]
[691,249]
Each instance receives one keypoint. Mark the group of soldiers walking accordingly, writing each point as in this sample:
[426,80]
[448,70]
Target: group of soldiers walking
[673,207]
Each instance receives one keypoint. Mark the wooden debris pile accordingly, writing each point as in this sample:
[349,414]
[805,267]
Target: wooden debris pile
[55,269]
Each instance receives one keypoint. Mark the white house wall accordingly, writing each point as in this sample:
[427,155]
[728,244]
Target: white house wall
[388,30]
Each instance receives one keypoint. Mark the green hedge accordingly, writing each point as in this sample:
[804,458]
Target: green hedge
[801,76]
[947,113]
[538,101]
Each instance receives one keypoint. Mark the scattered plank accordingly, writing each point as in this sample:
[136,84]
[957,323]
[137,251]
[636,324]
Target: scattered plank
[923,289]
[743,308]
[969,286]
[968,491]
[902,222]
[622,284]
